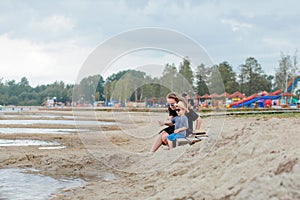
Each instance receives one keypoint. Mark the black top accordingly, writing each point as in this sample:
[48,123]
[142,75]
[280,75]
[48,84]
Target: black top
[192,116]
[172,112]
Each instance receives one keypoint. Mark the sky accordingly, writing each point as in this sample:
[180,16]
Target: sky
[47,41]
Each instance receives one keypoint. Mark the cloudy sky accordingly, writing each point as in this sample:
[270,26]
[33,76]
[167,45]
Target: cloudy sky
[50,40]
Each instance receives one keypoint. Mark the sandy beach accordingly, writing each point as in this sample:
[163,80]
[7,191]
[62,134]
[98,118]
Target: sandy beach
[244,157]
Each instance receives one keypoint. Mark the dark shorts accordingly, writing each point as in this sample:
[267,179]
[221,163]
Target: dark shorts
[169,130]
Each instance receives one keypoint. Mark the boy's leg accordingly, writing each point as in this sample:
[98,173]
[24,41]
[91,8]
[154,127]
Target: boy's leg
[170,140]
[170,144]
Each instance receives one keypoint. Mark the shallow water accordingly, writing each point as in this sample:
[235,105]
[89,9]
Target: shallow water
[50,148]
[19,184]
[60,122]
[39,116]
[24,142]
[39,131]
[18,109]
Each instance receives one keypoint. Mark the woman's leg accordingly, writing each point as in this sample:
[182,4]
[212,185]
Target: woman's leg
[156,144]
[159,140]
[164,137]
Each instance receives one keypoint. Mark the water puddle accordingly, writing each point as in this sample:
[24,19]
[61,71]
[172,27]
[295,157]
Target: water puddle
[59,122]
[41,116]
[18,109]
[39,131]
[24,142]
[50,148]
[20,184]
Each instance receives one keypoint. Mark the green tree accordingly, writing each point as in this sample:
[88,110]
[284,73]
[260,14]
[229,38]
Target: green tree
[22,94]
[108,88]
[229,77]
[90,89]
[186,71]
[100,89]
[112,81]
[201,78]
[24,82]
[215,82]
[252,77]
[169,77]
[125,85]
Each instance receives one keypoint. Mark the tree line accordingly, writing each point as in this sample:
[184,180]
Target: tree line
[22,94]
[133,85]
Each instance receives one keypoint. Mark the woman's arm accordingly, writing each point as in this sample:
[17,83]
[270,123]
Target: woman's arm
[168,122]
[198,123]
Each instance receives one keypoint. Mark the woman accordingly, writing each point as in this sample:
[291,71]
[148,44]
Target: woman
[172,100]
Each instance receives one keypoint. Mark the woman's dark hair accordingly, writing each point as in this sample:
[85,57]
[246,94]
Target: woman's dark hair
[173,95]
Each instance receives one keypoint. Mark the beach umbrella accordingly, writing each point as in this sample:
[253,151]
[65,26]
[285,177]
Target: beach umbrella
[197,96]
[237,95]
[206,96]
[225,94]
[214,95]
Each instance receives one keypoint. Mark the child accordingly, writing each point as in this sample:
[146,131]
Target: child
[181,124]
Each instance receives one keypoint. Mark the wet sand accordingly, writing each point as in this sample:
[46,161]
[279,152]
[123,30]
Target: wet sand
[253,157]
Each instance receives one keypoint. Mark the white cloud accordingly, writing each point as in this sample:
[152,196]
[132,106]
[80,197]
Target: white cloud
[150,61]
[57,23]
[41,62]
[236,25]
[277,42]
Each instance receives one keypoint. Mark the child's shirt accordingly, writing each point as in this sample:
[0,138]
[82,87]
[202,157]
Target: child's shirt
[180,121]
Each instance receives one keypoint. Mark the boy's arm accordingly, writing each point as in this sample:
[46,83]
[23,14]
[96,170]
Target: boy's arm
[180,129]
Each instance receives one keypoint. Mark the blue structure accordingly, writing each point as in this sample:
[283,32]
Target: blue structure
[256,99]
[293,82]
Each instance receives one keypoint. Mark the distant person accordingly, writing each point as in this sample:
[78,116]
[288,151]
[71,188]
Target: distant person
[180,122]
[192,116]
